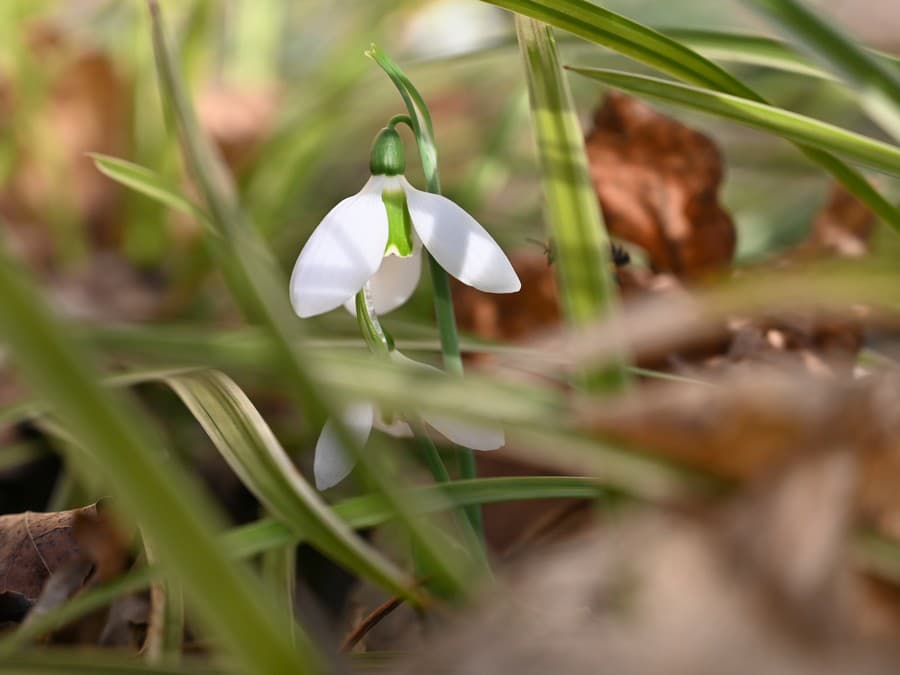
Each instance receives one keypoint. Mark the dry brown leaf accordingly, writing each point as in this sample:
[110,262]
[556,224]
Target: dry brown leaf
[511,316]
[658,184]
[842,227]
[35,545]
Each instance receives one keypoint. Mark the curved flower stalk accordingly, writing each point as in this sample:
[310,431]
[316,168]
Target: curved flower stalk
[332,463]
[376,237]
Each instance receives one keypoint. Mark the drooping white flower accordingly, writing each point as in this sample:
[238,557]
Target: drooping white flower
[376,237]
[332,463]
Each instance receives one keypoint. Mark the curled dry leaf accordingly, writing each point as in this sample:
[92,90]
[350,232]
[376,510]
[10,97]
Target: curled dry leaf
[658,183]
[511,316]
[842,227]
[46,558]
[35,545]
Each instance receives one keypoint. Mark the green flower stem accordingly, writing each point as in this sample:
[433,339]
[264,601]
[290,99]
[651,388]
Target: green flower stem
[381,343]
[471,536]
[419,120]
[431,455]
[400,119]
[378,341]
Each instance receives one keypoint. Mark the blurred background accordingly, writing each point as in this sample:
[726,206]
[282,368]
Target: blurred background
[286,93]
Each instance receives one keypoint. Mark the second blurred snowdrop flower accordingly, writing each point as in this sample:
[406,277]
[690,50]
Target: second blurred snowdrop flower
[332,463]
[376,237]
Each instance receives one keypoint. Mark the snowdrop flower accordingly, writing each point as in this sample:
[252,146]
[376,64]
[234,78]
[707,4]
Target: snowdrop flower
[376,236]
[332,463]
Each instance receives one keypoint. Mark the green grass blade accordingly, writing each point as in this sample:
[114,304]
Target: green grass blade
[789,125]
[578,233]
[758,50]
[535,416]
[753,50]
[279,572]
[246,442]
[261,290]
[371,510]
[359,512]
[654,49]
[627,37]
[148,183]
[124,448]
[165,624]
[877,84]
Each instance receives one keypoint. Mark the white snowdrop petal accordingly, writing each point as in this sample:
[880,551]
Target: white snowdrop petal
[467,435]
[343,252]
[332,463]
[461,246]
[393,283]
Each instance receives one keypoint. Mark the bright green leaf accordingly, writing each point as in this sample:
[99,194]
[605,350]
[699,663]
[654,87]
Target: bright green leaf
[789,125]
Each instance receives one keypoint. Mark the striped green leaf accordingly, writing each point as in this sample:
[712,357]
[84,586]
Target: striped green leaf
[119,444]
[792,126]
[878,84]
[651,47]
[148,183]
[577,231]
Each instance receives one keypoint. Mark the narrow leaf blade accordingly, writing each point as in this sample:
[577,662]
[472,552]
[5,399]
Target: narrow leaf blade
[577,230]
[792,126]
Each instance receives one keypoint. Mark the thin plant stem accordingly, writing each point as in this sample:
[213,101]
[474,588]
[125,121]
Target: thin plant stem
[381,343]
[420,122]
[431,456]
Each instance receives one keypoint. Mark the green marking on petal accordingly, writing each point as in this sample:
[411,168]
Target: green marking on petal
[399,224]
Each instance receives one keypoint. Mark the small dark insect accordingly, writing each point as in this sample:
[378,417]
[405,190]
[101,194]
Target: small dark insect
[546,247]
[620,256]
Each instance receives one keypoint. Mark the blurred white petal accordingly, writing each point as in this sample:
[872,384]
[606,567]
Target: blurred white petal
[461,246]
[393,283]
[343,252]
[332,462]
[397,428]
[467,435]
[462,433]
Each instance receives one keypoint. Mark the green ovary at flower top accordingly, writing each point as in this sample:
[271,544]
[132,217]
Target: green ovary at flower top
[376,236]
